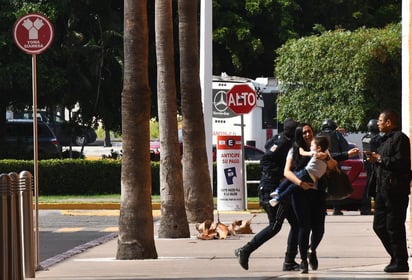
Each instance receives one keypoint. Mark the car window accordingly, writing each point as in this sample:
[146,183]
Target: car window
[44,131]
[25,129]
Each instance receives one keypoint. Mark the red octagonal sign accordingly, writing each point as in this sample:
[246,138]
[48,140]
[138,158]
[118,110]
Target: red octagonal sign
[33,33]
[241,99]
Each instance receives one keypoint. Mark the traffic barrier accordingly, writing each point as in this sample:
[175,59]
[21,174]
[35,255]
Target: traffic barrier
[16,226]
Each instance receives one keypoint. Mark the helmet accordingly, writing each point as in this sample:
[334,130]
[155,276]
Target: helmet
[329,124]
[289,127]
[373,126]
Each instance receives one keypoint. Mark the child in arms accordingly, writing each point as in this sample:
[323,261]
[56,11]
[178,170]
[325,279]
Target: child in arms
[311,173]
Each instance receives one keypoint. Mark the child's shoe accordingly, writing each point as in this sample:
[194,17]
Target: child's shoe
[274,201]
[274,193]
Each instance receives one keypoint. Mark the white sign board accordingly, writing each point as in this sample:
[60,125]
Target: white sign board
[230,185]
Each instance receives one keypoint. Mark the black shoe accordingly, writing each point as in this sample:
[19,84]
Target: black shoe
[304,266]
[243,258]
[291,266]
[396,268]
[366,212]
[313,260]
[337,212]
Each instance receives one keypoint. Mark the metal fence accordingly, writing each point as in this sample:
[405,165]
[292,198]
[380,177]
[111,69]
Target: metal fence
[16,226]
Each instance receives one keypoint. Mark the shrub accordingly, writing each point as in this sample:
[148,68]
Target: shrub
[91,177]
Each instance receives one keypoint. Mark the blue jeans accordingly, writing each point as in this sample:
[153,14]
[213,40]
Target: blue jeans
[286,188]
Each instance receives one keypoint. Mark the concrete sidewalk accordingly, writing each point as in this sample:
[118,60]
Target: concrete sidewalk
[349,250]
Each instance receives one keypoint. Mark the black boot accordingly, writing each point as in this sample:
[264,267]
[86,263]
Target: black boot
[289,264]
[313,260]
[304,266]
[243,254]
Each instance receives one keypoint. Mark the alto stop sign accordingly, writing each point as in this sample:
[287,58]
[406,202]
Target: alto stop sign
[241,99]
[33,33]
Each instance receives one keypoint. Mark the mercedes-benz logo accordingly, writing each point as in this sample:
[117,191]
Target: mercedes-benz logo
[219,101]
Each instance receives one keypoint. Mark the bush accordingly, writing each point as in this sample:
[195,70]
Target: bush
[91,177]
[347,76]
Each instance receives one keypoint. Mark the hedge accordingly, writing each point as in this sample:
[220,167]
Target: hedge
[91,177]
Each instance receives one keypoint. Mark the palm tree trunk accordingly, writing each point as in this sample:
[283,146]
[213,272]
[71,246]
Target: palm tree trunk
[136,238]
[196,177]
[173,223]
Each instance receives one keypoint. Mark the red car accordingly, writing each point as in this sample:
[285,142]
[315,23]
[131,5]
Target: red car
[155,149]
[357,174]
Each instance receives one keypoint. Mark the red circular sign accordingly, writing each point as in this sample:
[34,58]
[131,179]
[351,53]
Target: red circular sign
[33,33]
[241,99]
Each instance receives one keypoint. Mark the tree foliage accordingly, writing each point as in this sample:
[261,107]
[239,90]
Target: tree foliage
[348,76]
[84,63]
[246,32]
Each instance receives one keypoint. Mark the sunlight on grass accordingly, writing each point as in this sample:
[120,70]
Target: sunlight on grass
[79,198]
[107,198]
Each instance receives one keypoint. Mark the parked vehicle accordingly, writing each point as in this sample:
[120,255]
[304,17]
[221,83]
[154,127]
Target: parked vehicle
[65,132]
[357,174]
[155,146]
[154,149]
[17,142]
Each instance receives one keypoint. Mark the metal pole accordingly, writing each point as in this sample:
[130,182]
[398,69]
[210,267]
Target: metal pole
[205,73]
[35,155]
[242,132]
[16,227]
[26,185]
[4,227]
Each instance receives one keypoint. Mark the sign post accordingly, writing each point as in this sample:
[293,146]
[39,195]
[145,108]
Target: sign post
[241,99]
[33,34]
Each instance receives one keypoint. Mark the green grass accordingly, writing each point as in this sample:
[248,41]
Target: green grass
[106,198]
[109,198]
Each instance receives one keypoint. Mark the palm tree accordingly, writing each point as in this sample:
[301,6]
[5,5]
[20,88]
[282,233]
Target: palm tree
[136,238]
[196,177]
[173,223]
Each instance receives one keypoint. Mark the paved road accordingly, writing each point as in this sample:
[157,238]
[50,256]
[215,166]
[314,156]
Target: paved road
[61,231]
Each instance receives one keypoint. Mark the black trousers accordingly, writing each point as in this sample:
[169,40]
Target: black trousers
[389,224]
[310,209]
[276,216]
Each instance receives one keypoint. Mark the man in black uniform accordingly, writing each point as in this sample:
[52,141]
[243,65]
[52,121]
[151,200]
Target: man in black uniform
[337,145]
[393,174]
[370,143]
[273,163]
